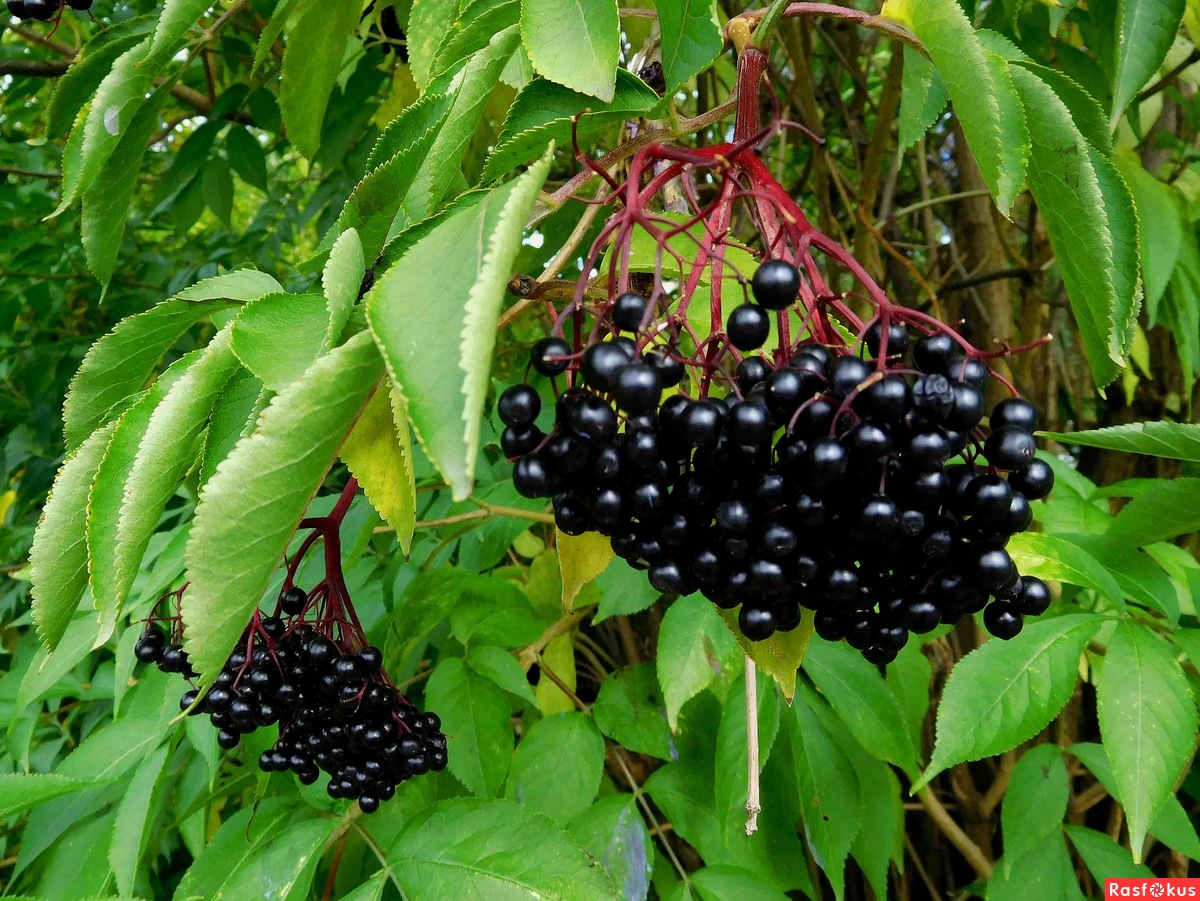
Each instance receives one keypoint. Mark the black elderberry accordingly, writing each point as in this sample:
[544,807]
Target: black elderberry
[43,10]
[80,5]
[775,284]
[601,363]
[1034,480]
[921,616]
[992,567]
[628,312]
[933,352]
[933,396]
[970,370]
[868,441]
[927,450]
[292,600]
[17,8]
[967,410]
[897,343]
[1002,620]
[887,400]
[519,405]
[666,576]
[756,623]
[669,368]
[749,423]
[702,423]
[988,497]
[827,463]
[815,417]
[1014,411]
[1033,596]
[734,517]
[149,648]
[846,374]
[549,356]
[518,440]
[748,327]
[1010,448]
[778,541]
[531,478]
[877,519]
[750,372]
[637,388]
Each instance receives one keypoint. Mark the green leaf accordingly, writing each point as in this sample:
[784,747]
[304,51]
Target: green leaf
[1045,873]
[48,668]
[1172,440]
[58,558]
[910,676]
[980,84]
[1173,827]
[1103,857]
[394,165]
[1148,28]
[281,12]
[471,87]
[439,355]
[1148,720]
[1091,222]
[312,61]
[121,362]
[133,819]
[234,416]
[1141,578]
[282,864]
[1005,692]
[882,808]
[1160,229]
[20,792]
[557,767]
[1035,803]
[343,275]
[246,157]
[475,718]
[731,784]
[613,832]
[623,590]
[240,285]
[251,507]
[481,849]
[1052,557]
[74,88]
[695,649]
[234,842]
[827,786]
[277,337]
[472,31]
[165,453]
[722,882]
[778,656]
[865,703]
[923,98]
[378,452]
[217,187]
[630,711]
[691,38]
[1089,116]
[574,43]
[428,24]
[1166,511]
[543,112]
[503,669]
[581,559]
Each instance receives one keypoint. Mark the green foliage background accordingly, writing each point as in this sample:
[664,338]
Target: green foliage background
[225,173]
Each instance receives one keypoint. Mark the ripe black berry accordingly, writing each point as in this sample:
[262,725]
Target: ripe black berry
[628,312]
[1010,448]
[519,405]
[932,352]
[1002,620]
[1033,596]
[756,623]
[846,375]
[748,327]
[897,343]
[637,388]
[602,362]
[1014,411]
[531,478]
[549,356]
[670,370]
[776,284]
[1034,480]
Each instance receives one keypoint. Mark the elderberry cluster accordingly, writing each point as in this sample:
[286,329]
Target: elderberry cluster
[335,709]
[860,487]
[44,10]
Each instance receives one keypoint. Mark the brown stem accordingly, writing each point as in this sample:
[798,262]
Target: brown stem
[948,827]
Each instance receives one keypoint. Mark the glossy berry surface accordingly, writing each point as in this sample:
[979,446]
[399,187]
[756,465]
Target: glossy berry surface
[776,284]
[748,327]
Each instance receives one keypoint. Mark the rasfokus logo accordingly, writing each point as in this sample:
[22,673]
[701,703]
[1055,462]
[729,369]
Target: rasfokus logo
[1152,888]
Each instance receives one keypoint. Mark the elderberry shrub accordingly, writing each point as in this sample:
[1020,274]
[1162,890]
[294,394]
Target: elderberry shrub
[865,490]
[334,705]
